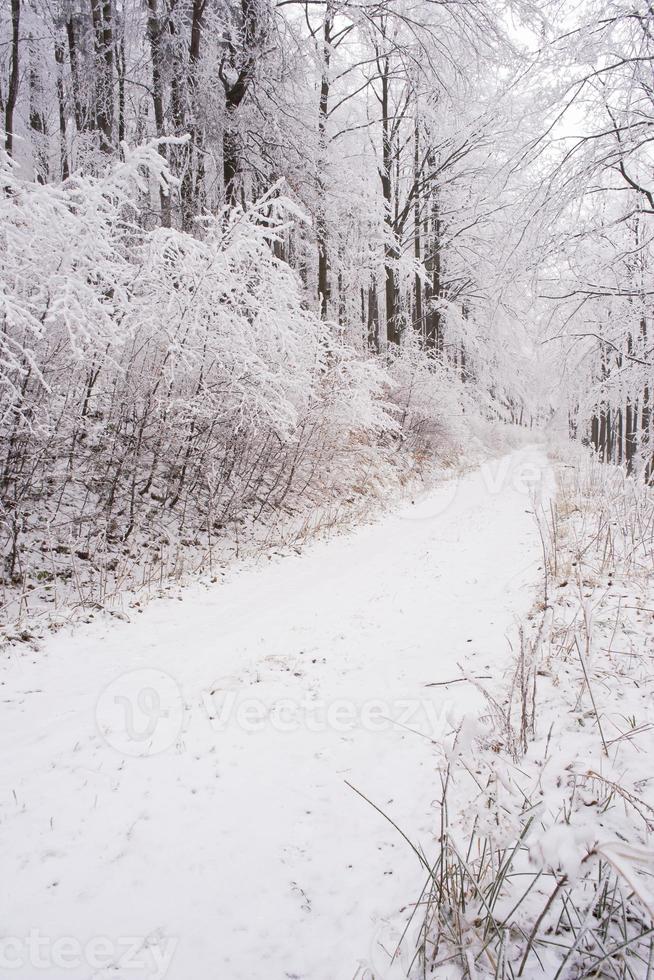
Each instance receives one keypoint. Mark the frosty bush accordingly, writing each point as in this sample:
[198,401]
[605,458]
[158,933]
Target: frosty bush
[158,383]
[162,389]
[430,402]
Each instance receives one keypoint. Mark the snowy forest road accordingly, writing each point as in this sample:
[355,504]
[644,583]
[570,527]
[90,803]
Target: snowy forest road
[175,800]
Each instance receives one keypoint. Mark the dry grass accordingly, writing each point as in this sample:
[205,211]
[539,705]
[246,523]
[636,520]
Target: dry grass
[544,865]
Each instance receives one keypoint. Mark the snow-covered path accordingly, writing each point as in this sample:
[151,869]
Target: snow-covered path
[150,792]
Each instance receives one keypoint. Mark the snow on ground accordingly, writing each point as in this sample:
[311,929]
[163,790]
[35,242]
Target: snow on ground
[545,866]
[175,801]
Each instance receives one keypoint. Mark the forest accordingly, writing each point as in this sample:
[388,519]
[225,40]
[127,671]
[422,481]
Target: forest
[256,255]
[326,334]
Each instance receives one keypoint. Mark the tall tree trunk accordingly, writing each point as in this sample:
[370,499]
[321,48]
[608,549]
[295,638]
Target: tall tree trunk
[82,120]
[434,339]
[373,317]
[191,188]
[646,414]
[101,12]
[38,123]
[155,32]
[230,160]
[418,324]
[629,436]
[108,72]
[342,304]
[464,371]
[121,72]
[200,173]
[235,92]
[12,92]
[390,246]
[630,417]
[321,223]
[594,433]
[60,56]
[178,155]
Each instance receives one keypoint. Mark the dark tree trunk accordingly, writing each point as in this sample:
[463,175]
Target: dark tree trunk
[59,54]
[464,371]
[646,415]
[433,338]
[373,317]
[82,121]
[178,155]
[321,223]
[38,123]
[108,72]
[101,13]
[192,186]
[230,162]
[631,434]
[121,71]
[155,31]
[200,174]
[602,435]
[390,246]
[594,433]
[418,324]
[252,31]
[12,91]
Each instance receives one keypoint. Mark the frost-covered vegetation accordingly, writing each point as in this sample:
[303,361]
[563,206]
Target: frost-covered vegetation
[236,304]
[169,399]
[544,862]
[261,260]
[267,267]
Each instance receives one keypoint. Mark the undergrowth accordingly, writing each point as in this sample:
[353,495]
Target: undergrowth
[544,862]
